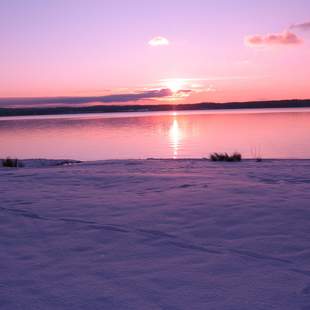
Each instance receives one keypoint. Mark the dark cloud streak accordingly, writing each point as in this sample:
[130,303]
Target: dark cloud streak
[301,26]
[151,94]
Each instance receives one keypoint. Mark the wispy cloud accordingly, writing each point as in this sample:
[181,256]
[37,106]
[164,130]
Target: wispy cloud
[149,94]
[215,78]
[301,26]
[159,41]
[284,38]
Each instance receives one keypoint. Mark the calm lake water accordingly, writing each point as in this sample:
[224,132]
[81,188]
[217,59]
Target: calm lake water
[267,133]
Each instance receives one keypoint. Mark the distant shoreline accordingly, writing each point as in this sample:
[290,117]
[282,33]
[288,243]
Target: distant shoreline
[32,111]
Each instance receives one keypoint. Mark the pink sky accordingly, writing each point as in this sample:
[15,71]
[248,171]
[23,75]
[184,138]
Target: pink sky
[202,50]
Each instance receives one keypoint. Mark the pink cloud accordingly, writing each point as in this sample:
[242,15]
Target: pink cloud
[284,38]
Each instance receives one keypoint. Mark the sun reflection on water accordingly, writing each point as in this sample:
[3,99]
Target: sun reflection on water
[175,136]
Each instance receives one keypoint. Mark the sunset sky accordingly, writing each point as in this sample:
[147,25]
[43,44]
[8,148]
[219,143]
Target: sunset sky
[154,51]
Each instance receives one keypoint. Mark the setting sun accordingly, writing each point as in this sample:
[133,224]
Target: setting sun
[174,85]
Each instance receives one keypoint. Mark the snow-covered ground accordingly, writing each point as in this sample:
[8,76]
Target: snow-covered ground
[155,234]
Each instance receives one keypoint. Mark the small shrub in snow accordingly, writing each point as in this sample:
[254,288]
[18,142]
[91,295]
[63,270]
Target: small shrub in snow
[235,157]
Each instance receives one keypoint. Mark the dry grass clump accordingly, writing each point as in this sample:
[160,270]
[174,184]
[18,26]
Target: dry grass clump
[11,163]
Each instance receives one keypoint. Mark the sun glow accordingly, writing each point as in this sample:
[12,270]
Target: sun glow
[174,85]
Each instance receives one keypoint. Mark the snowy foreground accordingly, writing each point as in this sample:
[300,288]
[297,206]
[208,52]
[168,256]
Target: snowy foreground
[155,234]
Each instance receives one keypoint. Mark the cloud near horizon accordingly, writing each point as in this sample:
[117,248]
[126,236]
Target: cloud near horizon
[118,98]
[284,38]
[301,26]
